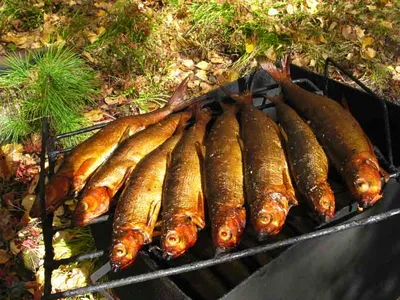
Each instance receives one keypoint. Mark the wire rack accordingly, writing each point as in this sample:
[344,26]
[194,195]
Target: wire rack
[49,149]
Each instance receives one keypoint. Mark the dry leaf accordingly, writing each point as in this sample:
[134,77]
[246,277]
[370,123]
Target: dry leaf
[347,32]
[312,63]
[201,74]
[101,13]
[387,24]
[112,100]
[188,63]
[322,39]
[4,256]
[270,53]
[359,32]
[205,87]
[273,11]
[92,37]
[100,30]
[350,56]
[94,115]
[367,41]
[88,56]
[332,26]
[232,75]
[10,156]
[203,65]
[368,53]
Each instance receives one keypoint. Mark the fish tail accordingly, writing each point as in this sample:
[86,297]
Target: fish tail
[278,74]
[185,117]
[245,97]
[177,101]
[56,191]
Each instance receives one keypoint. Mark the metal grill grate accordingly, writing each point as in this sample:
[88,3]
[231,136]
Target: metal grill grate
[50,264]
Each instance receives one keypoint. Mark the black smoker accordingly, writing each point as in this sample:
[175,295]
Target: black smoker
[305,261]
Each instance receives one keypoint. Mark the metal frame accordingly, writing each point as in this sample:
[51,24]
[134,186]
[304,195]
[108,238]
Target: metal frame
[50,264]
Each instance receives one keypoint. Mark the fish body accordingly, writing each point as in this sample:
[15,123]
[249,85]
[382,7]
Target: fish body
[224,180]
[307,160]
[139,205]
[96,197]
[340,134]
[269,189]
[183,199]
[85,158]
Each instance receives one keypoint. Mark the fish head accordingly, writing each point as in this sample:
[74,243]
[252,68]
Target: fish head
[227,228]
[323,200]
[126,244]
[179,234]
[269,215]
[95,202]
[365,179]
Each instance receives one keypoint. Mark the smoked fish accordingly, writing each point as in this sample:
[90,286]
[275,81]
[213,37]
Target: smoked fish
[183,199]
[85,158]
[338,131]
[139,205]
[96,197]
[268,186]
[307,160]
[224,180]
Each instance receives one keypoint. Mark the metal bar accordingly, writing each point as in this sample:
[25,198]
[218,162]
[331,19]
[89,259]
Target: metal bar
[94,221]
[369,91]
[83,130]
[47,220]
[78,258]
[226,258]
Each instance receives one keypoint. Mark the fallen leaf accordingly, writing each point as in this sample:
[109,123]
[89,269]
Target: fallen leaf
[188,63]
[273,11]
[205,87]
[322,39]
[201,74]
[368,53]
[371,7]
[312,63]
[359,32]
[92,37]
[249,45]
[270,53]
[232,75]
[387,24]
[10,156]
[112,100]
[397,69]
[94,115]
[367,41]
[100,30]
[27,202]
[332,26]
[290,9]
[347,32]
[350,56]
[4,256]
[101,13]
[203,65]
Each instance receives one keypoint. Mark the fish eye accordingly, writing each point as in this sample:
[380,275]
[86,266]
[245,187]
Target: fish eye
[225,233]
[265,218]
[120,250]
[85,205]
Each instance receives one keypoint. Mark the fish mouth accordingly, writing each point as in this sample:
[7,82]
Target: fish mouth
[125,249]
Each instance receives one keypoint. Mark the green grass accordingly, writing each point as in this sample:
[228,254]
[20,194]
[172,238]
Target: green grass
[55,84]
[28,15]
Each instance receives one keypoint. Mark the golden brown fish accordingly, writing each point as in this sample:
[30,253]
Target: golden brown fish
[224,180]
[269,189]
[139,205]
[307,160]
[344,141]
[183,201]
[97,195]
[89,155]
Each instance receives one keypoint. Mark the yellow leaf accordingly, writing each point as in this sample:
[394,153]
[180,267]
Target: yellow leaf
[367,41]
[101,13]
[203,65]
[249,44]
[94,115]
[368,53]
[387,24]
[88,56]
[359,32]
[100,30]
[92,37]
[290,9]
[233,75]
[322,39]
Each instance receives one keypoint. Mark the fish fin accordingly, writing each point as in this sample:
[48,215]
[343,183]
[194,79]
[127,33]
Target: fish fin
[276,99]
[177,102]
[278,74]
[83,168]
[201,152]
[345,104]
[198,217]
[153,213]
[287,181]
[185,117]
[127,174]
[283,135]
[245,97]
[385,175]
